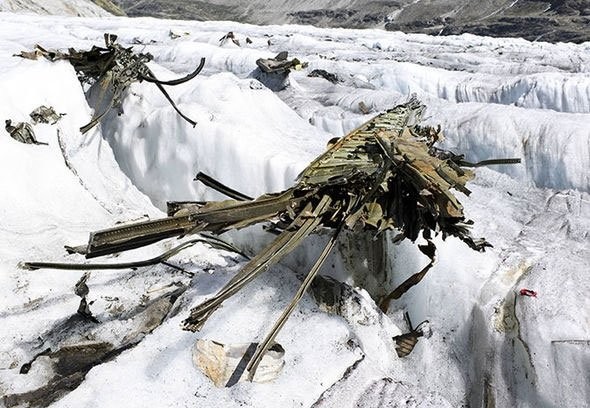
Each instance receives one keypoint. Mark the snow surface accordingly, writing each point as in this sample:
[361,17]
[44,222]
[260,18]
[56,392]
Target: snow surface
[493,98]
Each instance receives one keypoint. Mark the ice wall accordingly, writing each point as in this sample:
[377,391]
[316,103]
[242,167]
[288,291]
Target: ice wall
[246,137]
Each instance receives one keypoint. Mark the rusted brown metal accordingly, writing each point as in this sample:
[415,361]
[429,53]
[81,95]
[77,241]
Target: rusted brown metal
[22,132]
[405,343]
[385,175]
[111,70]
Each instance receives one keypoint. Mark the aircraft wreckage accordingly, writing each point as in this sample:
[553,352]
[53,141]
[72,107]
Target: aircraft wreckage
[385,175]
[110,70]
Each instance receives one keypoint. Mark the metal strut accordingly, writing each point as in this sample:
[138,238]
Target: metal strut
[266,343]
[221,188]
[489,162]
[273,253]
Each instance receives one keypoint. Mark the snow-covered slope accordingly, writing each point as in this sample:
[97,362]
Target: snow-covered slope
[488,346]
[80,8]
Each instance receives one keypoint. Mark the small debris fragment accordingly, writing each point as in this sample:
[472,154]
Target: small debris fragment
[81,289]
[22,132]
[322,73]
[405,343]
[528,292]
[280,63]
[139,41]
[45,114]
[110,70]
[174,35]
[31,55]
[71,348]
[364,108]
[229,36]
[248,40]
[274,72]
[225,364]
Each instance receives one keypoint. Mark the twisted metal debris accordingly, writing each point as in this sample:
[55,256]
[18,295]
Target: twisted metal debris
[22,132]
[385,175]
[112,69]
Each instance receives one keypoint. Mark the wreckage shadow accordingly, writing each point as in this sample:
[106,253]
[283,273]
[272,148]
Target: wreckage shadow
[274,81]
[518,369]
[62,329]
[493,353]
[474,336]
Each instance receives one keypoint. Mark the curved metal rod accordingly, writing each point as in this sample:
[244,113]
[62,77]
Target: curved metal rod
[94,121]
[167,96]
[213,241]
[151,78]
[221,188]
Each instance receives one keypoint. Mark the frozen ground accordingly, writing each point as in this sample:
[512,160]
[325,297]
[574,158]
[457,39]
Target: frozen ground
[493,97]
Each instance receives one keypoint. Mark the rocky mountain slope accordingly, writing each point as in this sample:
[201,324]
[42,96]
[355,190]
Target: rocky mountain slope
[547,20]
[79,8]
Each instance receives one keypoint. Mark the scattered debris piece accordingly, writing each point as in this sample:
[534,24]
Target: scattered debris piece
[248,40]
[280,64]
[139,41]
[217,186]
[384,175]
[353,304]
[174,35]
[32,55]
[81,289]
[430,251]
[67,355]
[229,36]
[274,72]
[332,142]
[322,73]
[110,70]
[528,292]
[405,343]
[45,114]
[364,108]
[22,132]
[225,364]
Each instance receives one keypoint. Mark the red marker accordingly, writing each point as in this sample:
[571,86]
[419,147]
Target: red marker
[528,292]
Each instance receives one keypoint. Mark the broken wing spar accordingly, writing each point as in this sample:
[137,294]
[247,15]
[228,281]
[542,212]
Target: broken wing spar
[111,70]
[385,175]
